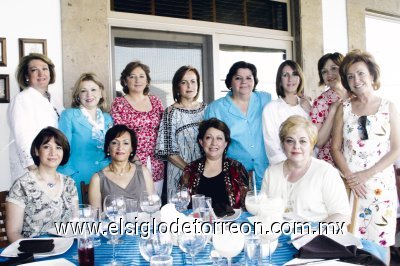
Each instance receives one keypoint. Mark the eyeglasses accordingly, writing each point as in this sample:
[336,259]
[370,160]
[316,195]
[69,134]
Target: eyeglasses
[362,127]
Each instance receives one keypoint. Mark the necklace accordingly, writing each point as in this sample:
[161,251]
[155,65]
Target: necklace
[50,185]
[122,172]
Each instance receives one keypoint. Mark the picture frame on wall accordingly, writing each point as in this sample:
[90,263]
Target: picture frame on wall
[28,46]
[4,89]
[3,52]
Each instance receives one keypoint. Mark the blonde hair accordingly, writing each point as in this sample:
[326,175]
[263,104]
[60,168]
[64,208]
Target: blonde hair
[102,104]
[295,122]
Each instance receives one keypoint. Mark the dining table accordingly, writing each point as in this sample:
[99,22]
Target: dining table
[128,252]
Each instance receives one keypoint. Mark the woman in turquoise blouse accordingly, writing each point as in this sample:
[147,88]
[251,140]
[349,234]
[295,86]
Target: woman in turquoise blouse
[85,125]
[241,109]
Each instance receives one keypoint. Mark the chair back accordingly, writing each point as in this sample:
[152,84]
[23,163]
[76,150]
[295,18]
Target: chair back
[85,192]
[3,234]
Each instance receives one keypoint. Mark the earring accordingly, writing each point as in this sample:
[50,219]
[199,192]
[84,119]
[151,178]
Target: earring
[108,154]
[27,80]
[131,155]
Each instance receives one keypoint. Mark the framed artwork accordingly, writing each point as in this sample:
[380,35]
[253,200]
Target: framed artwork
[28,46]
[4,89]
[3,52]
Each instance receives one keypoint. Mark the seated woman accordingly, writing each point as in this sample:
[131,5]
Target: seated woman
[42,196]
[312,189]
[122,176]
[223,179]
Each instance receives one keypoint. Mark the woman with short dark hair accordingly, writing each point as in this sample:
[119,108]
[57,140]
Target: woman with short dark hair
[176,140]
[122,176]
[42,196]
[215,175]
[142,113]
[241,109]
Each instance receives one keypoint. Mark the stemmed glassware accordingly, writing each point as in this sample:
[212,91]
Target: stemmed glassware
[114,209]
[155,244]
[271,213]
[181,199]
[222,237]
[192,242]
[150,203]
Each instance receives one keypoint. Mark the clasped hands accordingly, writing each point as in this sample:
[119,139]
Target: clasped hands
[356,181]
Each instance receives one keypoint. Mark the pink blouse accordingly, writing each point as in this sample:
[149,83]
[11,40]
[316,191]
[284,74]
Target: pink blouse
[145,125]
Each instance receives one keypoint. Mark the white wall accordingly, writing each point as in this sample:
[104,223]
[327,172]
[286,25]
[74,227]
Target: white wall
[39,19]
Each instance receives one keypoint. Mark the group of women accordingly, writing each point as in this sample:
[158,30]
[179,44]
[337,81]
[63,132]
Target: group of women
[221,150]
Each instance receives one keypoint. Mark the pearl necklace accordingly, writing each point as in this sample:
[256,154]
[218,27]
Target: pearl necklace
[122,172]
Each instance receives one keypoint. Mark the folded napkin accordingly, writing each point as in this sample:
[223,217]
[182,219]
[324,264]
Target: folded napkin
[36,246]
[21,259]
[223,209]
[323,247]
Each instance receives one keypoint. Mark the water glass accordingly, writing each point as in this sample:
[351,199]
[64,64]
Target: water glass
[252,250]
[131,209]
[180,199]
[198,201]
[205,212]
[161,260]
[85,250]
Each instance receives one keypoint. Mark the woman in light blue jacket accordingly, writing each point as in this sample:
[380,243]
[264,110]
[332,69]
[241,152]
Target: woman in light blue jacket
[85,125]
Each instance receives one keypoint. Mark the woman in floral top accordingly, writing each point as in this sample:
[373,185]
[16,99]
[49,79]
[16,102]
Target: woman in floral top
[223,179]
[42,196]
[367,127]
[324,108]
[142,113]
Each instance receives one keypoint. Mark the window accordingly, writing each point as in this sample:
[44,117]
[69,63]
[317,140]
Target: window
[254,13]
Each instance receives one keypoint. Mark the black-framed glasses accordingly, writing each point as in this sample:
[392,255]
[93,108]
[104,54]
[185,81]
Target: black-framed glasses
[362,127]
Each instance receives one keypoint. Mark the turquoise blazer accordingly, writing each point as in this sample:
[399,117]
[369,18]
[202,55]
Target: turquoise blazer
[87,154]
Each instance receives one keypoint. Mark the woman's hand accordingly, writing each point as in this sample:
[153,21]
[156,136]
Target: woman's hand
[356,181]
[305,103]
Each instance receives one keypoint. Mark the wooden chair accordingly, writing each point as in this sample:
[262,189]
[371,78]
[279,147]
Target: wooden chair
[85,192]
[3,233]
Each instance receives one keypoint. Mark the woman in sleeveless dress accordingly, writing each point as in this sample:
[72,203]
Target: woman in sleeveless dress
[122,176]
[368,128]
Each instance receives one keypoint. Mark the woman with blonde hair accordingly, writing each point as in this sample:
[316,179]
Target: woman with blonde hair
[85,126]
[312,189]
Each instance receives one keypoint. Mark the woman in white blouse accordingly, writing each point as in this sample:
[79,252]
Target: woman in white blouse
[30,110]
[289,88]
[312,189]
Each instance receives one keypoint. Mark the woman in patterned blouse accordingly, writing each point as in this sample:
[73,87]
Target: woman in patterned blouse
[42,196]
[223,179]
[324,107]
[142,113]
[177,138]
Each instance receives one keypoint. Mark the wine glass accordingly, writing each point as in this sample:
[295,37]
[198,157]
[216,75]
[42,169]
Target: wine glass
[115,210]
[222,237]
[155,244]
[181,199]
[253,201]
[192,242]
[150,203]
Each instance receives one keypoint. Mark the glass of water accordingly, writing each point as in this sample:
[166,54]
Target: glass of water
[155,244]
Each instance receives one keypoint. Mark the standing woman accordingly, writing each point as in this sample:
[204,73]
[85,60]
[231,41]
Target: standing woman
[31,110]
[368,128]
[85,125]
[324,107]
[289,88]
[241,110]
[177,137]
[142,113]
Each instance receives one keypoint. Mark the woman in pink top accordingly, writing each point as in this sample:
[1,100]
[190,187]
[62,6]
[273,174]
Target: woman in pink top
[324,107]
[142,113]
